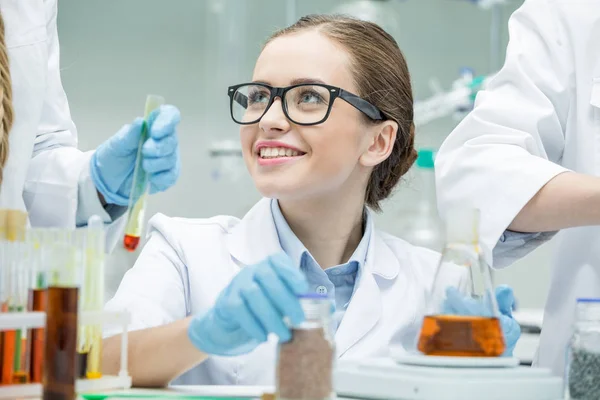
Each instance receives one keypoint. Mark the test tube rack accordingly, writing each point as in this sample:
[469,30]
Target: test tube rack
[10,321]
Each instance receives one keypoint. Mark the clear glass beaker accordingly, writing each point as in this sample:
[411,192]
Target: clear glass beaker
[462,313]
[305,363]
[583,361]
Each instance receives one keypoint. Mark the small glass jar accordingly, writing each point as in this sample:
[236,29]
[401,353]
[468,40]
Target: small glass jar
[583,356]
[305,363]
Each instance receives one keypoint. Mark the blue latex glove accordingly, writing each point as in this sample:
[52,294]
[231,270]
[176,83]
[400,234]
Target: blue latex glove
[112,164]
[456,303]
[253,305]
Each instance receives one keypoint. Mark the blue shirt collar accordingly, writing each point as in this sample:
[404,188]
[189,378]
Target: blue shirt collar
[294,248]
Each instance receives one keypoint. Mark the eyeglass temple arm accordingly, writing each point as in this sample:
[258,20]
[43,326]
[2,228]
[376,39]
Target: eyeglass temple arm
[241,99]
[362,105]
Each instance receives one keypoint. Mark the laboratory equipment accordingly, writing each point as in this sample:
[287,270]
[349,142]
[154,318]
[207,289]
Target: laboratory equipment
[61,321]
[385,378]
[583,363]
[139,189]
[460,97]
[305,363]
[58,258]
[421,224]
[93,297]
[13,342]
[462,316]
[36,302]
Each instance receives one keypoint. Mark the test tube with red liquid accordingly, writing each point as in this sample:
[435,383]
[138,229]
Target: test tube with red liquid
[139,188]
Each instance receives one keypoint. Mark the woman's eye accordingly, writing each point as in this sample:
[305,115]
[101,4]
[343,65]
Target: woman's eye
[258,97]
[311,97]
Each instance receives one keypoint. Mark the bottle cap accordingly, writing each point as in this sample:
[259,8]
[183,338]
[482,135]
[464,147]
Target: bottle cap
[425,158]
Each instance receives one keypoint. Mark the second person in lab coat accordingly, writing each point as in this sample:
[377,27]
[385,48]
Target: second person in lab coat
[42,169]
[327,133]
[528,157]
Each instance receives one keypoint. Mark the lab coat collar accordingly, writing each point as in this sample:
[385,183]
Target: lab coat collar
[255,238]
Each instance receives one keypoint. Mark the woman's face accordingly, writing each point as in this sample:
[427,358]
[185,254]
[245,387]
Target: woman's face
[290,161]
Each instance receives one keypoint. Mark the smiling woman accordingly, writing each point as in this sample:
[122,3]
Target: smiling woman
[326,127]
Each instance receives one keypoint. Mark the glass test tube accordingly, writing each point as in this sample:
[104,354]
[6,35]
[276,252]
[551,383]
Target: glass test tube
[4,287]
[95,291]
[61,321]
[37,301]
[14,342]
[139,188]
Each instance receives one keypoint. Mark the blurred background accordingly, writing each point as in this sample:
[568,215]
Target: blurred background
[114,52]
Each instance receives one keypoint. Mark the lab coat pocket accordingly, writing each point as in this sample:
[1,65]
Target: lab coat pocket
[24,22]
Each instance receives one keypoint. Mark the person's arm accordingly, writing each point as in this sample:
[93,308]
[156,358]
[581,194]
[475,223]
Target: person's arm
[566,201]
[58,189]
[157,355]
[154,292]
[510,146]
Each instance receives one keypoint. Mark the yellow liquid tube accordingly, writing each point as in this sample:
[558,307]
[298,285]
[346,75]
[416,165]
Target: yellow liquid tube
[139,188]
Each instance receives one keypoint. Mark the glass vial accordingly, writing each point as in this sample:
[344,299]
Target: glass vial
[583,353]
[305,363]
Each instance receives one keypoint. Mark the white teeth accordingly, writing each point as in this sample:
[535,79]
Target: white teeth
[272,152]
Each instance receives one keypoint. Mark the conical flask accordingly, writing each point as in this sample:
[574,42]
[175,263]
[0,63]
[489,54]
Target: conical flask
[462,313]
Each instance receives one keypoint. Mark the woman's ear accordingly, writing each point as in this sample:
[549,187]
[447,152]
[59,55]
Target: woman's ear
[383,137]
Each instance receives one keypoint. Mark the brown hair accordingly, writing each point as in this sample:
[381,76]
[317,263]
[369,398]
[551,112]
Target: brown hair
[382,78]
[6,109]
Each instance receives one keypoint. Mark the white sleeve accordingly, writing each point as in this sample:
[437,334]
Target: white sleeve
[155,290]
[511,145]
[58,191]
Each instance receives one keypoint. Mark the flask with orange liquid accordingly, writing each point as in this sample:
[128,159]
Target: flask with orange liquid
[462,317]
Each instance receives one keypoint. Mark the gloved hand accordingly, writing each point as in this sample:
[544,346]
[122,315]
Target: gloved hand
[457,304]
[113,162]
[253,305]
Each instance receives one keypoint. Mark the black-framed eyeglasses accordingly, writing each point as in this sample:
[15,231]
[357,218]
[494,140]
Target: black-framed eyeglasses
[303,104]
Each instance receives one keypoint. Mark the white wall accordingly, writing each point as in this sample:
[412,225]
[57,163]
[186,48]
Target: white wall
[115,52]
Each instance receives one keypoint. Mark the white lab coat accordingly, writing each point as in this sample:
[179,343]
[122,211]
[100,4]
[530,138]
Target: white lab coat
[187,263]
[45,172]
[539,117]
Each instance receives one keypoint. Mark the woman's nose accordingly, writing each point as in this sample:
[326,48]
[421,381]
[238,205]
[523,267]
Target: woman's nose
[274,118]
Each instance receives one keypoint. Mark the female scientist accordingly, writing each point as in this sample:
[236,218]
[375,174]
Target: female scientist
[207,288]
[531,148]
[41,169]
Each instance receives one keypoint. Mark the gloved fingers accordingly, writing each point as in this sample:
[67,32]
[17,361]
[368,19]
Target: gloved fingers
[279,294]
[156,148]
[161,181]
[239,310]
[460,304]
[160,164]
[283,266]
[265,312]
[127,139]
[163,122]
[512,332]
[506,299]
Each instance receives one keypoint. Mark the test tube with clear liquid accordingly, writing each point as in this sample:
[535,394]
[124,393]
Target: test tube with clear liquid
[92,298]
[139,189]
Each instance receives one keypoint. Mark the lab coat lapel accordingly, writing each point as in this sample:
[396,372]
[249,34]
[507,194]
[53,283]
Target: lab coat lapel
[365,308]
[255,237]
